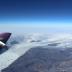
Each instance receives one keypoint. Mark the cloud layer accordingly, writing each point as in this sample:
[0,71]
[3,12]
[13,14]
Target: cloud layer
[20,44]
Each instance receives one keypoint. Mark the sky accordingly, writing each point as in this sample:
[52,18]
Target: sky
[36,12]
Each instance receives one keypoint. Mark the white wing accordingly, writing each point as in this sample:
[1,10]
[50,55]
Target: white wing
[2,44]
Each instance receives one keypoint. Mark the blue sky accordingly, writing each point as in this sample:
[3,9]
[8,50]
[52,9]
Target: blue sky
[36,12]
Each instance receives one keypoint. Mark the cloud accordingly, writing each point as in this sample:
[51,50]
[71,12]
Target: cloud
[34,28]
[33,40]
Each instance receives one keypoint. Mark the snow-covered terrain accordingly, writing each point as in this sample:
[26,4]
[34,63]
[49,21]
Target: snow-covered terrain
[20,44]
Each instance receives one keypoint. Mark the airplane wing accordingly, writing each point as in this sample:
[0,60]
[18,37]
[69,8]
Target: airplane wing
[4,38]
[2,44]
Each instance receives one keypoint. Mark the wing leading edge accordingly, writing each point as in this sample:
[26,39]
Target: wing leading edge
[4,38]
